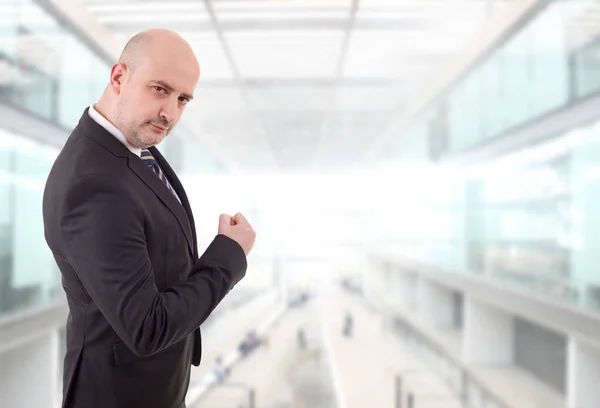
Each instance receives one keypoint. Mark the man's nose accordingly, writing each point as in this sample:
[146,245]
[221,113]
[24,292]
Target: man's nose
[170,111]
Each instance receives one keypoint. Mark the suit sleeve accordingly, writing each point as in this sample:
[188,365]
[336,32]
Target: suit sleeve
[102,231]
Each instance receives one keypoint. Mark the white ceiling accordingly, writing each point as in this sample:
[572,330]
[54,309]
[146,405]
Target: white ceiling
[304,85]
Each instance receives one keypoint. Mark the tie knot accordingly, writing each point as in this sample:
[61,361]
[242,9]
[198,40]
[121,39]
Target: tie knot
[150,161]
[147,156]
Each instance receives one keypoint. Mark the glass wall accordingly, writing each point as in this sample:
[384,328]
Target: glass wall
[28,274]
[533,221]
[536,218]
[45,68]
[522,226]
[529,219]
[552,61]
[523,78]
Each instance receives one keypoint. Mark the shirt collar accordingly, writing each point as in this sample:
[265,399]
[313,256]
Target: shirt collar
[112,129]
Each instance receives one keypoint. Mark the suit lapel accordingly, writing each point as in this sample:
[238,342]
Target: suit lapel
[178,187]
[181,211]
[139,167]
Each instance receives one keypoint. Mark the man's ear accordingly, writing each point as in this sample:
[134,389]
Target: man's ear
[118,74]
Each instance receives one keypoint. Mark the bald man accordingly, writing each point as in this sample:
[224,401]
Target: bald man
[121,230]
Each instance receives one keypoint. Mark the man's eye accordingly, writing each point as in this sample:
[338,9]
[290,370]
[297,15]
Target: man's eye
[159,88]
[184,100]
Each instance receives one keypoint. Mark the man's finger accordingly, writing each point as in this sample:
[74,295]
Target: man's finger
[224,219]
[239,219]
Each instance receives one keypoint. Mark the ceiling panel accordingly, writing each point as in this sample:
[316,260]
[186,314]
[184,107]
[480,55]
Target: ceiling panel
[280,5]
[118,7]
[289,98]
[402,53]
[133,16]
[261,15]
[434,6]
[278,15]
[379,54]
[283,54]
[386,97]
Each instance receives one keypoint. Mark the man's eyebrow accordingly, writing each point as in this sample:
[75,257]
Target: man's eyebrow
[170,88]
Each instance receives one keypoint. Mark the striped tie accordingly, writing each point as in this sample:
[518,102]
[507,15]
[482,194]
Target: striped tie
[151,162]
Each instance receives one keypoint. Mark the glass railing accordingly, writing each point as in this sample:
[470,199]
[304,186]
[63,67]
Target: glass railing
[461,385]
[471,392]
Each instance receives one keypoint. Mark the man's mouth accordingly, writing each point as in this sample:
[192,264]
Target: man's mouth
[158,127]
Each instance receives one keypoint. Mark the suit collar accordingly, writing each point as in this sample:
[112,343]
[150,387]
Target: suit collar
[112,129]
[96,132]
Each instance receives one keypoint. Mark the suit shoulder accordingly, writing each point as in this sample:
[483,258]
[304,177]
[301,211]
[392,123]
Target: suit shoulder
[83,156]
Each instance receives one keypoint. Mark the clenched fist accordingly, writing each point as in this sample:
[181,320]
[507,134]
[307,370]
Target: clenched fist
[238,229]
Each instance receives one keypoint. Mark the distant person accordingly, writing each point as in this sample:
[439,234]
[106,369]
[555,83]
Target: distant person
[220,370]
[250,342]
[348,326]
[121,230]
[301,338]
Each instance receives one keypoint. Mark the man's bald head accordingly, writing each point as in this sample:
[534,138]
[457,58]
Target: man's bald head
[141,45]
[155,78]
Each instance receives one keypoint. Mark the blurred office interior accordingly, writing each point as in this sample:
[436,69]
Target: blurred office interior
[422,176]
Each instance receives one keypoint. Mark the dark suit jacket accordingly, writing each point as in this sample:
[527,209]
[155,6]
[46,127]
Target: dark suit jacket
[136,289]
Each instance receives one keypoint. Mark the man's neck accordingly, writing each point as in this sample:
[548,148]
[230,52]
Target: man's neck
[99,107]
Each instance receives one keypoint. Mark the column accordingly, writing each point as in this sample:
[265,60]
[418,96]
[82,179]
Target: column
[435,304]
[583,375]
[488,334]
[403,289]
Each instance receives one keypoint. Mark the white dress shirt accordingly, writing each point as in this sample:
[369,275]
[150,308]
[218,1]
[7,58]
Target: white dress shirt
[112,129]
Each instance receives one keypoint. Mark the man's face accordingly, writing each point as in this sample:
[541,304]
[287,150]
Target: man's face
[152,98]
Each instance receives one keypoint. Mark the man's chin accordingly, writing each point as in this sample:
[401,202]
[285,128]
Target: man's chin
[152,139]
